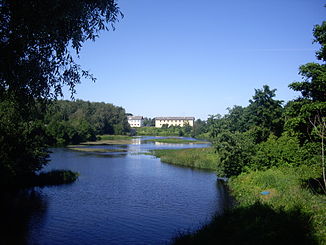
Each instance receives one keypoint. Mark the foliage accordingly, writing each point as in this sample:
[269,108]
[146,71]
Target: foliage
[199,130]
[264,111]
[286,191]
[164,131]
[266,148]
[22,149]
[55,177]
[149,122]
[314,85]
[282,151]
[36,53]
[37,40]
[289,214]
[320,37]
[235,151]
[237,119]
[72,122]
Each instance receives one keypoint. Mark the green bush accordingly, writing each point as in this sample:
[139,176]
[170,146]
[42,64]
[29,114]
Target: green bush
[55,177]
[235,151]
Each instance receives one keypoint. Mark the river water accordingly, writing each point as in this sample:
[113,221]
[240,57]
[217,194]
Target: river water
[122,198]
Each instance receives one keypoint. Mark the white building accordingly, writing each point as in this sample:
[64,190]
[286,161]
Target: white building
[174,121]
[135,121]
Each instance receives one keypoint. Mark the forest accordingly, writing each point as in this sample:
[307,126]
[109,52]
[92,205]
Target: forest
[73,122]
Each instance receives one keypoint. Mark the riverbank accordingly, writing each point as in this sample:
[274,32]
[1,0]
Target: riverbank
[50,178]
[273,207]
[276,206]
[96,150]
[108,140]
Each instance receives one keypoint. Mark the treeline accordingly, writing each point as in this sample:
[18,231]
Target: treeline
[200,129]
[268,134]
[72,122]
[274,154]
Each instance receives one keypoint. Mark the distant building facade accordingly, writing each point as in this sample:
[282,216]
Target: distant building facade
[174,121]
[135,121]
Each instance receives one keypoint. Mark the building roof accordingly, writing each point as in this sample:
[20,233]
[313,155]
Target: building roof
[135,117]
[174,118]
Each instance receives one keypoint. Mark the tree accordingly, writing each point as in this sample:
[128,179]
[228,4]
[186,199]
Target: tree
[235,151]
[37,38]
[306,115]
[319,128]
[264,111]
[237,119]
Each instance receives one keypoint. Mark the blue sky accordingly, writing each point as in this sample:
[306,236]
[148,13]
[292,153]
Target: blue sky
[196,58]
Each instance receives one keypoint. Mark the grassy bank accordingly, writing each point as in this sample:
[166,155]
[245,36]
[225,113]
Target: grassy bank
[96,150]
[110,140]
[55,177]
[177,141]
[204,158]
[153,131]
[288,213]
[114,137]
[276,206]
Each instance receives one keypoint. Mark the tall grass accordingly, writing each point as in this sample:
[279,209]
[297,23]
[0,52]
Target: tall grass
[204,158]
[114,137]
[289,214]
[153,131]
[287,191]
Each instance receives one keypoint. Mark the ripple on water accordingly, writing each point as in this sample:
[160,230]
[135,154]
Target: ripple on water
[129,199]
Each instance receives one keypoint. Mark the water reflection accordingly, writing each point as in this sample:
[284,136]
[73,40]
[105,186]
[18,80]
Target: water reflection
[19,209]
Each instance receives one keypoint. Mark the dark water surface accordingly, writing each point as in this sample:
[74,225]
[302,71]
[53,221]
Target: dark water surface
[122,199]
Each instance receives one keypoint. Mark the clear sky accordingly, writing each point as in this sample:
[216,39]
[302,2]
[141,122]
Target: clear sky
[196,58]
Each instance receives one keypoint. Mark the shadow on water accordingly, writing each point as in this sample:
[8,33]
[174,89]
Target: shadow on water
[16,210]
[255,224]
[226,200]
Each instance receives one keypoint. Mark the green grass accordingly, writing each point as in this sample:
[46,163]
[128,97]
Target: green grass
[289,214]
[97,150]
[204,158]
[177,141]
[152,131]
[109,140]
[114,137]
[55,177]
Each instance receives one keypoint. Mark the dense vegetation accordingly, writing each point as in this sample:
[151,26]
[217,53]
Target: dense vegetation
[174,140]
[289,214]
[204,158]
[36,62]
[200,130]
[274,158]
[72,122]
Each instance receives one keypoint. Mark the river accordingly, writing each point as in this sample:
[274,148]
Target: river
[121,198]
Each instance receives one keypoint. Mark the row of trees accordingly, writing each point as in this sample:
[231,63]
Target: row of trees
[266,133]
[72,122]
